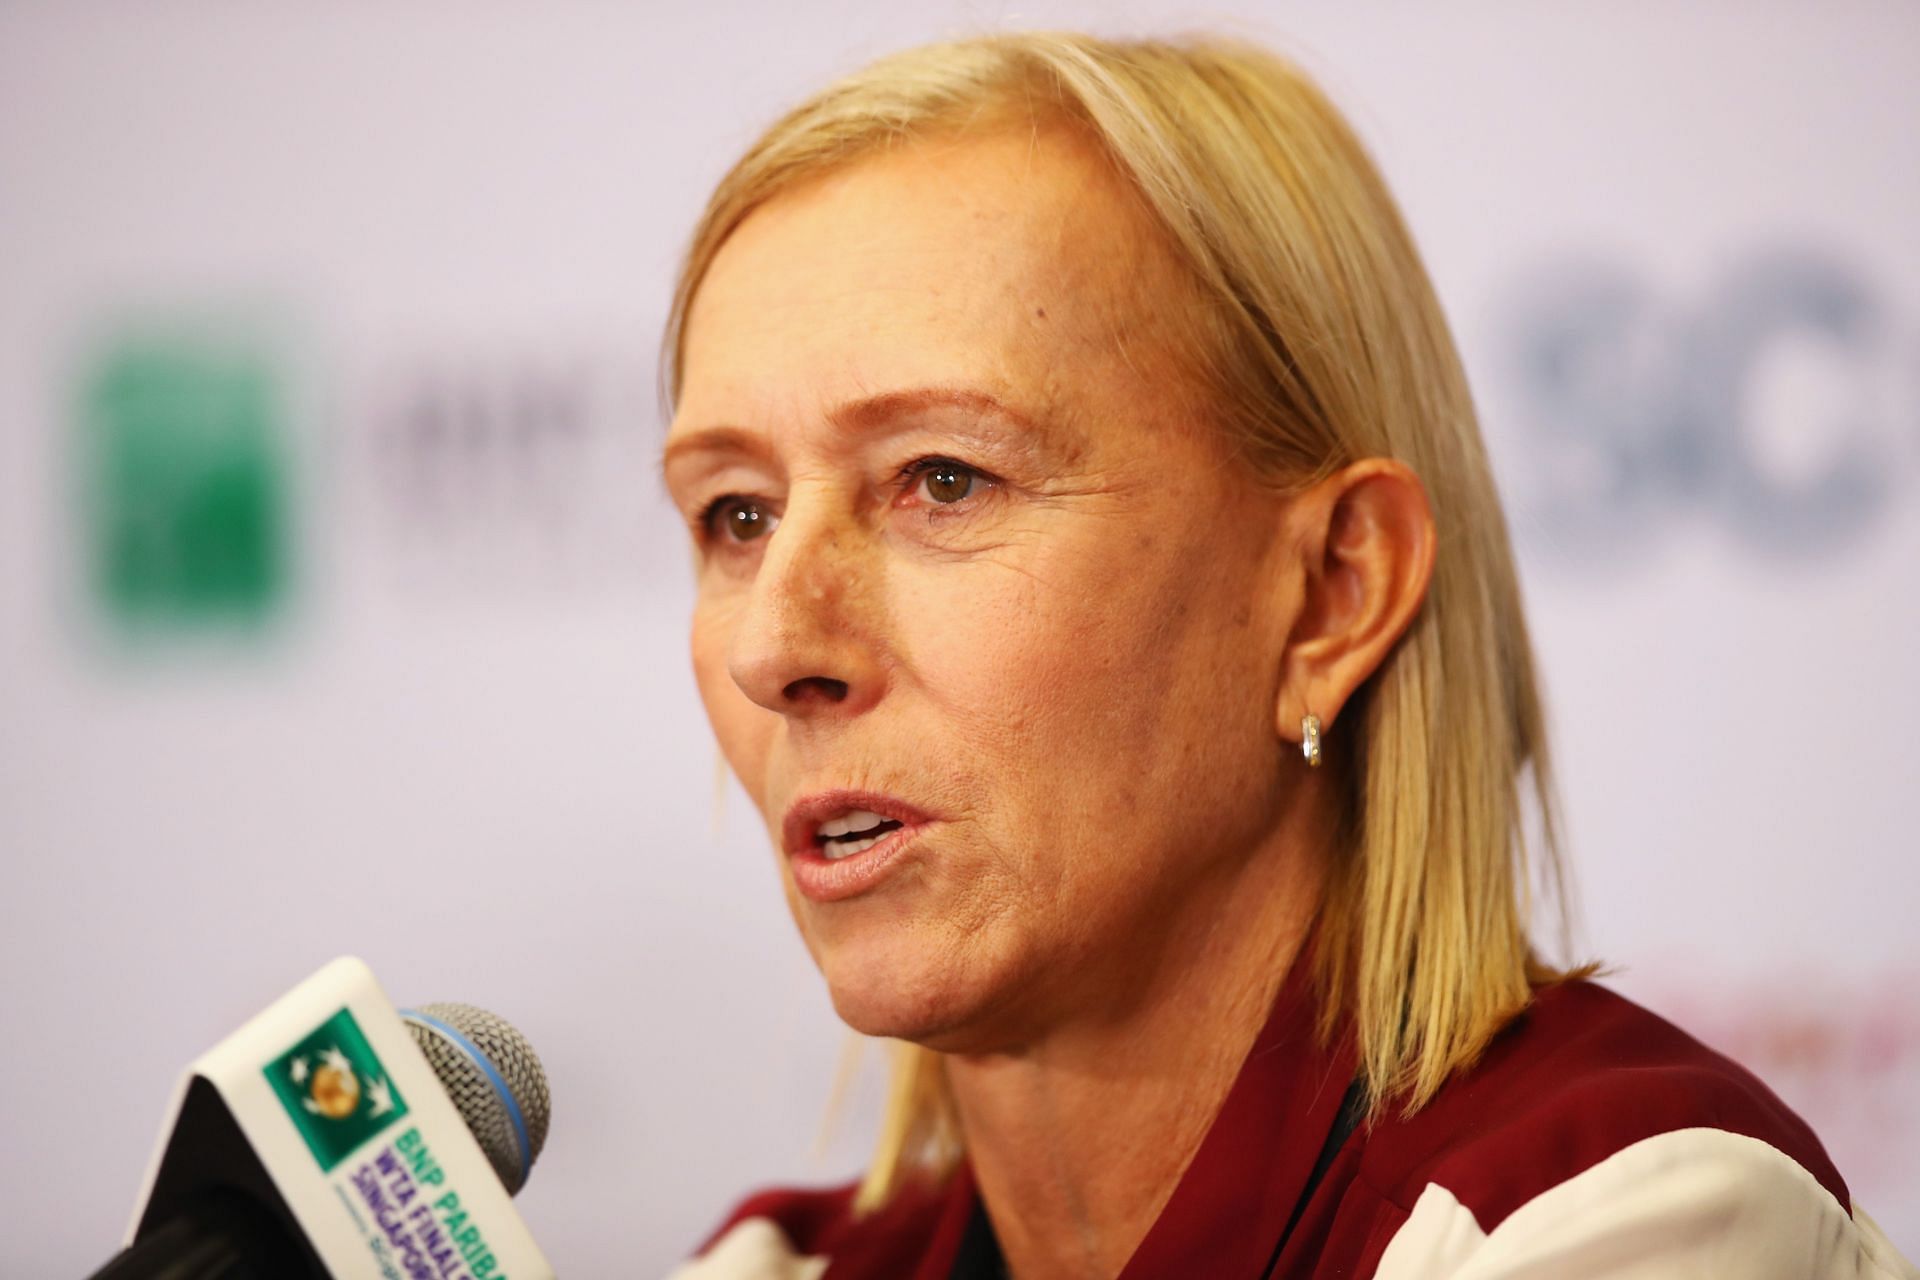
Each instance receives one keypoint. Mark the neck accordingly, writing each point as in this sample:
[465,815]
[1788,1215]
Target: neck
[1078,1139]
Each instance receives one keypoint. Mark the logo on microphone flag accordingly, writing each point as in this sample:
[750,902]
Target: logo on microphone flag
[335,1090]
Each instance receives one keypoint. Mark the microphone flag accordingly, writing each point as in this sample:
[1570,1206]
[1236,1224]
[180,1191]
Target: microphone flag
[326,1114]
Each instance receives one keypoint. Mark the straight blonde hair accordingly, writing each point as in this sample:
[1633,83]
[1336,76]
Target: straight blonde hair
[1316,341]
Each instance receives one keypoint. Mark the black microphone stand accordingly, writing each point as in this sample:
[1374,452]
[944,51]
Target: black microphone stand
[218,1236]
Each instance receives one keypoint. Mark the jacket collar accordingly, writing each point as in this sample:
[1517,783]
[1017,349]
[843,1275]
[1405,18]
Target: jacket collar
[1237,1197]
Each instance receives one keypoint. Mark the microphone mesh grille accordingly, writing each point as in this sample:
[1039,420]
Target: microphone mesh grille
[474,1095]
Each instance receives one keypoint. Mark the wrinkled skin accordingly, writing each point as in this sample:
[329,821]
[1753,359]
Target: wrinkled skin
[1067,650]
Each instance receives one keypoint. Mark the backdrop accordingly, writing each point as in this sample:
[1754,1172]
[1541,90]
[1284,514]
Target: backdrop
[342,610]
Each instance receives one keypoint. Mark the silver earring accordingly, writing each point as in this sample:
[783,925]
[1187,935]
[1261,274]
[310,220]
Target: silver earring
[1310,740]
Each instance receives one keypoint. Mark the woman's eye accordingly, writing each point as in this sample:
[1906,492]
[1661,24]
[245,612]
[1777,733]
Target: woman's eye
[734,519]
[943,481]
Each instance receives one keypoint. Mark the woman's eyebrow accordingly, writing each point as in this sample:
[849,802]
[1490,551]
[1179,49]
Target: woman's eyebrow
[865,415]
[720,440]
[870,412]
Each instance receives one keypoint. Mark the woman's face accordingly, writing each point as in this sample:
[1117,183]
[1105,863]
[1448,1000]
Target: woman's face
[972,562]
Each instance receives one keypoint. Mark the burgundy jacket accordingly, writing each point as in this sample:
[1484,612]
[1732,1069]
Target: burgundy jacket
[1591,1139]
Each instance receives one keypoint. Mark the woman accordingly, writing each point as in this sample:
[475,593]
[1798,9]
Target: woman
[1104,598]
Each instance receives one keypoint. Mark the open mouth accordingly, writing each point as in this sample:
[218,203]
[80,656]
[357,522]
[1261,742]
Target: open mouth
[852,833]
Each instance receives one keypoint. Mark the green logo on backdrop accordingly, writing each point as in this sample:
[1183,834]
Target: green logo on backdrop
[335,1089]
[185,478]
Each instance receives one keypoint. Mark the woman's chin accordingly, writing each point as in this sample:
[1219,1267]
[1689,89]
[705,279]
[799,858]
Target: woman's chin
[904,993]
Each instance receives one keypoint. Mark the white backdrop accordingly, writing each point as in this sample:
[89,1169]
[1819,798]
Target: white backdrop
[1678,244]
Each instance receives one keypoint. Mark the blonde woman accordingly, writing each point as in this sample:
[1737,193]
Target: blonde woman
[1103,596]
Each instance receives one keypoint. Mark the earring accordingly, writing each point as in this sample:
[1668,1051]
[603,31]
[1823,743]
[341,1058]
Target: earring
[1310,740]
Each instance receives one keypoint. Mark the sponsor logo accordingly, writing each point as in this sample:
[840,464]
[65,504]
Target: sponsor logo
[335,1090]
[184,479]
[510,470]
[1779,408]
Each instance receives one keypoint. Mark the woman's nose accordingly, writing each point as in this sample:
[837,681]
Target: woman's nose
[804,645]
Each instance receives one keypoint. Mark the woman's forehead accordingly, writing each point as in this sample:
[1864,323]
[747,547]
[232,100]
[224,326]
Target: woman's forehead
[1005,258]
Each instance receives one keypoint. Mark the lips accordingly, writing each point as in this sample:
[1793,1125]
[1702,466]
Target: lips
[800,832]
[866,832]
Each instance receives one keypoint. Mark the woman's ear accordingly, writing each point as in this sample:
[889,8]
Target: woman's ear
[1368,542]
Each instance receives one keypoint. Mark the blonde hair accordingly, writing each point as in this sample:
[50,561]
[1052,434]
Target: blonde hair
[1317,341]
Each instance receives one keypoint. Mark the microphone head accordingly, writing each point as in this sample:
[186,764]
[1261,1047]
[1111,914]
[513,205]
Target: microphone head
[494,1079]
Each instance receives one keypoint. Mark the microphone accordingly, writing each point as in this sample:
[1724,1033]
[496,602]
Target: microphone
[495,1080]
[334,1135]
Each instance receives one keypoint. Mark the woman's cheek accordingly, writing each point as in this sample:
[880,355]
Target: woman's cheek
[732,715]
[708,645]
[1021,662]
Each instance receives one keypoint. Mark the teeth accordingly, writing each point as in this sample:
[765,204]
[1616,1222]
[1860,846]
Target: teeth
[837,850]
[857,820]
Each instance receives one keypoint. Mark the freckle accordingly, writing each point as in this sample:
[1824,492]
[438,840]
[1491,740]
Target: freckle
[1041,312]
[1145,543]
